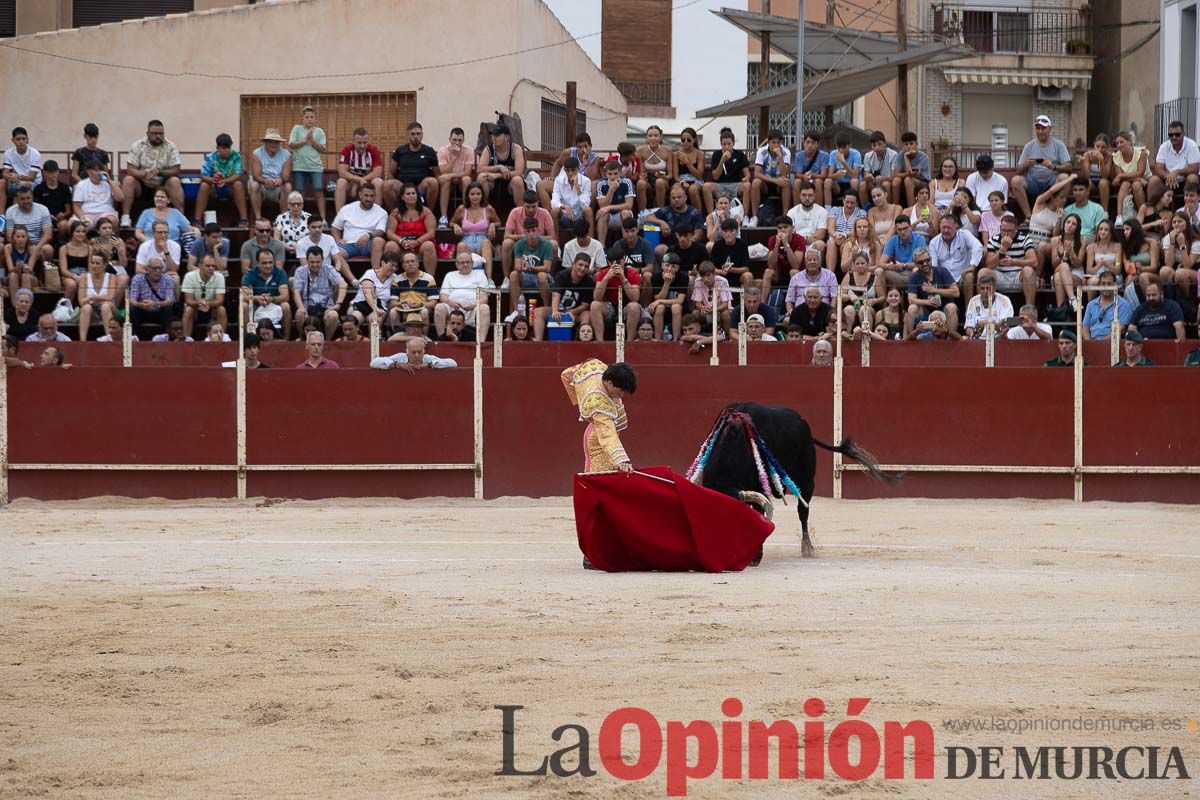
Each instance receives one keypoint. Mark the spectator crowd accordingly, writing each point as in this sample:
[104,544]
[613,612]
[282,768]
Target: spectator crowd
[680,244]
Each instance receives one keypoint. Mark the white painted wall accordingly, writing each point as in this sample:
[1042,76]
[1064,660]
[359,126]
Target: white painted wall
[367,35]
[708,54]
[1168,58]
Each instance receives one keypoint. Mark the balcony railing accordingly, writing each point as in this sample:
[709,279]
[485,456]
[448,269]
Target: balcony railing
[1181,109]
[646,93]
[1025,30]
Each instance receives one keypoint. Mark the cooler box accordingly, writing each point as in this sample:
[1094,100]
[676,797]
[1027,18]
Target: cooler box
[191,186]
[651,233]
[559,331]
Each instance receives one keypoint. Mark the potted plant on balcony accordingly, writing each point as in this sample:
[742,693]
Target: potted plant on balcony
[939,148]
[1079,47]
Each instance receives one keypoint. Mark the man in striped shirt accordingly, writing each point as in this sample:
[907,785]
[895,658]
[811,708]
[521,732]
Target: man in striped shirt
[1012,260]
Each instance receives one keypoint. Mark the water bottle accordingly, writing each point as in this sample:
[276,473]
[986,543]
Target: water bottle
[521,306]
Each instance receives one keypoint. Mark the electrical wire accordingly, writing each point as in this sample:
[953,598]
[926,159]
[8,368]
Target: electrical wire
[878,10]
[878,91]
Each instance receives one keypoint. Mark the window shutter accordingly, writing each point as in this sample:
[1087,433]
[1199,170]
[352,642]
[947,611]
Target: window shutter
[98,12]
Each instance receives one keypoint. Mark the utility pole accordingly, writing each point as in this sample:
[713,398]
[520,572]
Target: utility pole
[799,77]
[902,70]
[764,69]
[572,103]
[830,9]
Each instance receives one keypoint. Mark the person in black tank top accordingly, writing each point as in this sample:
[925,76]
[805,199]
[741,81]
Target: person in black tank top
[502,164]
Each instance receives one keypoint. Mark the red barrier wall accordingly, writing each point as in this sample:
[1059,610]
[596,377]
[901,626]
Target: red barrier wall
[532,439]
[968,415]
[563,354]
[359,417]
[1144,417]
[112,415]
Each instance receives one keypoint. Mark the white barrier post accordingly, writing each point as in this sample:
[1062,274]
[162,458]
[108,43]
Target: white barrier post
[838,353]
[864,355]
[741,293]
[989,348]
[477,394]
[837,427]
[248,318]
[240,378]
[620,331]
[715,359]
[1114,335]
[498,335]
[1078,396]
[127,336]
[3,424]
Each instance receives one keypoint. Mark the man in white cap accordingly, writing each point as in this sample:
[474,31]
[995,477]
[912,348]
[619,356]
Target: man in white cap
[1041,160]
[270,173]
[756,329]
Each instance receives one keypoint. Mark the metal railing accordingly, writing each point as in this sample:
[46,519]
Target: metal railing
[1181,109]
[1028,29]
[646,93]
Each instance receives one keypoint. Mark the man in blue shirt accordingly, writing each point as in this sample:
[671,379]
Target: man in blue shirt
[1098,314]
[268,289]
[930,289]
[845,169]
[910,168]
[898,252]
[678,213]
[959,252]
[810,166]
[877,166]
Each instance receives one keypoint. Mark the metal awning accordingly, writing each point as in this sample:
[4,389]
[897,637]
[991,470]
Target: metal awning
[825,46]
[1070,79]
[856,61]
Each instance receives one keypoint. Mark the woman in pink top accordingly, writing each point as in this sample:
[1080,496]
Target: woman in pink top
[475,223]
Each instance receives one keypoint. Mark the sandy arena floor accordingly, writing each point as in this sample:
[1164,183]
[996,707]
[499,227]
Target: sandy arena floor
[336,650]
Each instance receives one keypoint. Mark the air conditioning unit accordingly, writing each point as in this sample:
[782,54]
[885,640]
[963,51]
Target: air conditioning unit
[1055,94]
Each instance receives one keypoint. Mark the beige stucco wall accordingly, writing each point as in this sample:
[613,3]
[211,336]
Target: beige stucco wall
[250,43]
[1139,88]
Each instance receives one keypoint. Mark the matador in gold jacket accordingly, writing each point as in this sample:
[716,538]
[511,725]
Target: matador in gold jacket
[598,390]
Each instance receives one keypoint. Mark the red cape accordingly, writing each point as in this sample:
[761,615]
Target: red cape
[635,523]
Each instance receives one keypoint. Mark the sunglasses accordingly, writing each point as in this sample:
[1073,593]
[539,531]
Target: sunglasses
[1177,135]
[923,263]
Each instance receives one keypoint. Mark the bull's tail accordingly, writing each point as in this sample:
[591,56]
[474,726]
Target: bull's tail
[852,451]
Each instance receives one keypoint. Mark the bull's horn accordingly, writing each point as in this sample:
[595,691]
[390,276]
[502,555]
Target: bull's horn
[758,501]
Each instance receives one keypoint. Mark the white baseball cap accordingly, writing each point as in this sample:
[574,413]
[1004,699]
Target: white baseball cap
[1044,121]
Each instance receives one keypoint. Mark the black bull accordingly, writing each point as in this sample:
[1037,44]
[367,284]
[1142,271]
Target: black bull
[731,467]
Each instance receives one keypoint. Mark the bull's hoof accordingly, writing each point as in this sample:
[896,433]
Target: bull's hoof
[806,549]
[587,564]
[757,558]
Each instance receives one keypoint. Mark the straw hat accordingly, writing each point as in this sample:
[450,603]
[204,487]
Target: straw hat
[272,135]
